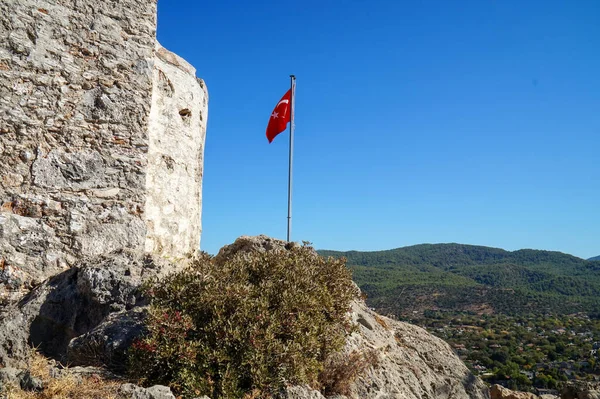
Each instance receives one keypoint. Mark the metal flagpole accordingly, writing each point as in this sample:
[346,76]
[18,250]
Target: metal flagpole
[293,103]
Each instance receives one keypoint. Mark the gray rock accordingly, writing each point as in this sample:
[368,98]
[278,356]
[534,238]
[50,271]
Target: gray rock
[500,392]
[412,363]
[71,304]
[300,392]
[92,371]
[29,382]
[113,280]
[83,297]
[131,391]
[10,377]
[107,344]
[247,244]
[19,378]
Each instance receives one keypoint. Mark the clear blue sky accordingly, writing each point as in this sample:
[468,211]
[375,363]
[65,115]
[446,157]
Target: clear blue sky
[475,122]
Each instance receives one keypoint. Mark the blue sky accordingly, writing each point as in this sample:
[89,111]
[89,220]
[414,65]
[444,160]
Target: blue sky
[475,122]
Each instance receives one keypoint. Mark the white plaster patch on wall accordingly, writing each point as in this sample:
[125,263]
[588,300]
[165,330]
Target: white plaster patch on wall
[177,129]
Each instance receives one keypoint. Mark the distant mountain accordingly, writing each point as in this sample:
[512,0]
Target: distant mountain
[595,258]
[475,278]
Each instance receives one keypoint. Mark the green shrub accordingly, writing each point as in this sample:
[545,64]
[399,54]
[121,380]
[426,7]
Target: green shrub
[250,324]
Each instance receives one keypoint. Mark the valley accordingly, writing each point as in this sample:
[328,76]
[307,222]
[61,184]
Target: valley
[526,319]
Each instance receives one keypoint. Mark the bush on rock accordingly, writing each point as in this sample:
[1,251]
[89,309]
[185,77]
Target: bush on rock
[249,324]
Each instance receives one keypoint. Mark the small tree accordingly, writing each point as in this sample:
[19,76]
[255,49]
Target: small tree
[249,324]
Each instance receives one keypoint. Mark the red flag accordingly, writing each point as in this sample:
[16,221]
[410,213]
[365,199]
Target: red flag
[280,117]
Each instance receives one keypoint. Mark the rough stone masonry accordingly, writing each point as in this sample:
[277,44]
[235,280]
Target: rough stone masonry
[101,137]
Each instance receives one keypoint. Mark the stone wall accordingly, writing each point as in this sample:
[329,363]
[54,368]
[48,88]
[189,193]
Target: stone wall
[77,131]
[176,156]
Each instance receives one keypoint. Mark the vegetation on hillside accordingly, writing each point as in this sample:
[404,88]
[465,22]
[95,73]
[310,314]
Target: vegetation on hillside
[466,277]
[521,352]
[247,326]
[524,319]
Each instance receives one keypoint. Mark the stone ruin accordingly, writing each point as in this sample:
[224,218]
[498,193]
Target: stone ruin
[101,138]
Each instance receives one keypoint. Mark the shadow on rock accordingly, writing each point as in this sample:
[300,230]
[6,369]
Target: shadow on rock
[72,304]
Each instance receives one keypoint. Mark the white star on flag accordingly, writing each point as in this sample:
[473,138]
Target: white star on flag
[275,115]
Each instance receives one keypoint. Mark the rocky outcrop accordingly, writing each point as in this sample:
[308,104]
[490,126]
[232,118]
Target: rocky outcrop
[73,304]
[413,364]
[91,313]
[500,392]
[106,345]
[581,390]
[101,138]
[247,244]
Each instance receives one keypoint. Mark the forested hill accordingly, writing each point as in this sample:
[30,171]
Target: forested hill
[595,258]
[475,278]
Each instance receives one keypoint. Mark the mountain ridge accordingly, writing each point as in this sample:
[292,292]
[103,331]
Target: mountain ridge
[456,244]
[454,276]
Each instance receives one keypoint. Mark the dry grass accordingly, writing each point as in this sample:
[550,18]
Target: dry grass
[381,322]
[343,369]
[67,386]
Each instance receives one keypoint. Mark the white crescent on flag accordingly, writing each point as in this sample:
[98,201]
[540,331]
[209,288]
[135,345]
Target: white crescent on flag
[285,101]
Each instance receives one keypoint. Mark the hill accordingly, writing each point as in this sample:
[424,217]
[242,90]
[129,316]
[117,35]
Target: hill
[595,258]
[479,279]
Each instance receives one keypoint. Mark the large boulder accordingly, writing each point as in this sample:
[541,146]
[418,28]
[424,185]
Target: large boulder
[71,304]
[106,345]
[500,392]
[248,244]
[412,363]
[131,391]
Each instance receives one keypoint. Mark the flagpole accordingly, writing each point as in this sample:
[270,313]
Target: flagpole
[293,100]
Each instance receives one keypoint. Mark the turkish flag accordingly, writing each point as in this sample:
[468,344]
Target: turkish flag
[280,117]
